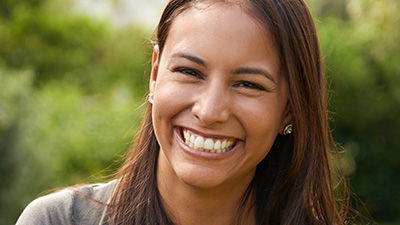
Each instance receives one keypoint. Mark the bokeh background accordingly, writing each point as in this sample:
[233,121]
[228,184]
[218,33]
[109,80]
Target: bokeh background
[73,77]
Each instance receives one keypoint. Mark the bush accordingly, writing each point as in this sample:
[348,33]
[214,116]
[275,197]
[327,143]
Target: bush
[70,95]
[362,56]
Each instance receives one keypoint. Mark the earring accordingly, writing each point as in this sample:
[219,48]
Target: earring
[288,129]
[151,98]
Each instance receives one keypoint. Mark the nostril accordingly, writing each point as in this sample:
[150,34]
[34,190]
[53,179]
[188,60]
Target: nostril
[209,113]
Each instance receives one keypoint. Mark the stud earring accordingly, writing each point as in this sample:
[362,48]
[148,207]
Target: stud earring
[151,98]
[288,129]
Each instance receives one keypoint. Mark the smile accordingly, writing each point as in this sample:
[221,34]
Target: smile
[207,144]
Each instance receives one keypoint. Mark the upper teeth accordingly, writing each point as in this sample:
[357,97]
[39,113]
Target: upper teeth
[207,144]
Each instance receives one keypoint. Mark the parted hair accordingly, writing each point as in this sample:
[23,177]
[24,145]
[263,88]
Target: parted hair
[295,182]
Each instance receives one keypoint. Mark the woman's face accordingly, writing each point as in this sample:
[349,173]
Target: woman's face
[220,99]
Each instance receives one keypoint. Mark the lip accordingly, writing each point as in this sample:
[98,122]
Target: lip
[203,154]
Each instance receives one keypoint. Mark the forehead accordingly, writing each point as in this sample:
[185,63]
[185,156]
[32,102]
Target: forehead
[221,26]
[243,8]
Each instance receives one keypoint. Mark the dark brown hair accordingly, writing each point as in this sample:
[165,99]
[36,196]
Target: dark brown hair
[293,184]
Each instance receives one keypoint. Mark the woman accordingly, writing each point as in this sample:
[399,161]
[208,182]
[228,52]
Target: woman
[236,131]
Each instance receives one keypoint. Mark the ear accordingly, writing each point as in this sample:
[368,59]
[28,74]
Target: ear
[154,68]
[287,119]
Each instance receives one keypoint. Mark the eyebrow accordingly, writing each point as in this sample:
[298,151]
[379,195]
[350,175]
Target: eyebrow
[241,70]
[192,58]
[250,70]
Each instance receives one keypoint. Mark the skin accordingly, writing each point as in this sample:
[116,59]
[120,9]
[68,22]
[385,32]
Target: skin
[202,82]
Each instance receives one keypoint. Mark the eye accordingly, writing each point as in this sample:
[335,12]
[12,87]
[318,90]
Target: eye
[188,71]
[250,85]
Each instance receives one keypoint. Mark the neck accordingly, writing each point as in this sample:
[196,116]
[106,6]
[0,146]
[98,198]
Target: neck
[189,205]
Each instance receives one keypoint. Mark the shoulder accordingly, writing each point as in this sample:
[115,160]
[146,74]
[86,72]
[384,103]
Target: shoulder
[81,205]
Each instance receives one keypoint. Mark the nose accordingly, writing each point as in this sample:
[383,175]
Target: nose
[212,105]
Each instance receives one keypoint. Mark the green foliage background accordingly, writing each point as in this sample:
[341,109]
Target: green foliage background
[71,88]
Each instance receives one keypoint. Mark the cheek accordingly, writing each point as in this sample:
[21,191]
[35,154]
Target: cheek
[263,115]
[170,100]
[262,121]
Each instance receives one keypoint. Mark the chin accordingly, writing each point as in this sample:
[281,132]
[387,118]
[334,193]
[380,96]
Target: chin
[202,178]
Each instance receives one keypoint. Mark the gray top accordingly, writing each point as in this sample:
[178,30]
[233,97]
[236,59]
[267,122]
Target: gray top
[82,205]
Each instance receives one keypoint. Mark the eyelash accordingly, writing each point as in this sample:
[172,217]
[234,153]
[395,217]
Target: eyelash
[250,85]
[188,72]
[195,73]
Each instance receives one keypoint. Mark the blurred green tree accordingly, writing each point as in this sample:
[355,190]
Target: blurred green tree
[362,55]
[70,89]
[52,43]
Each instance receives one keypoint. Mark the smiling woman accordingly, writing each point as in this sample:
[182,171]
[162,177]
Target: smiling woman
[210,81]
[236,131]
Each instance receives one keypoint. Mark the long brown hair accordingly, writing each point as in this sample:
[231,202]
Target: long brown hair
[293,184]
